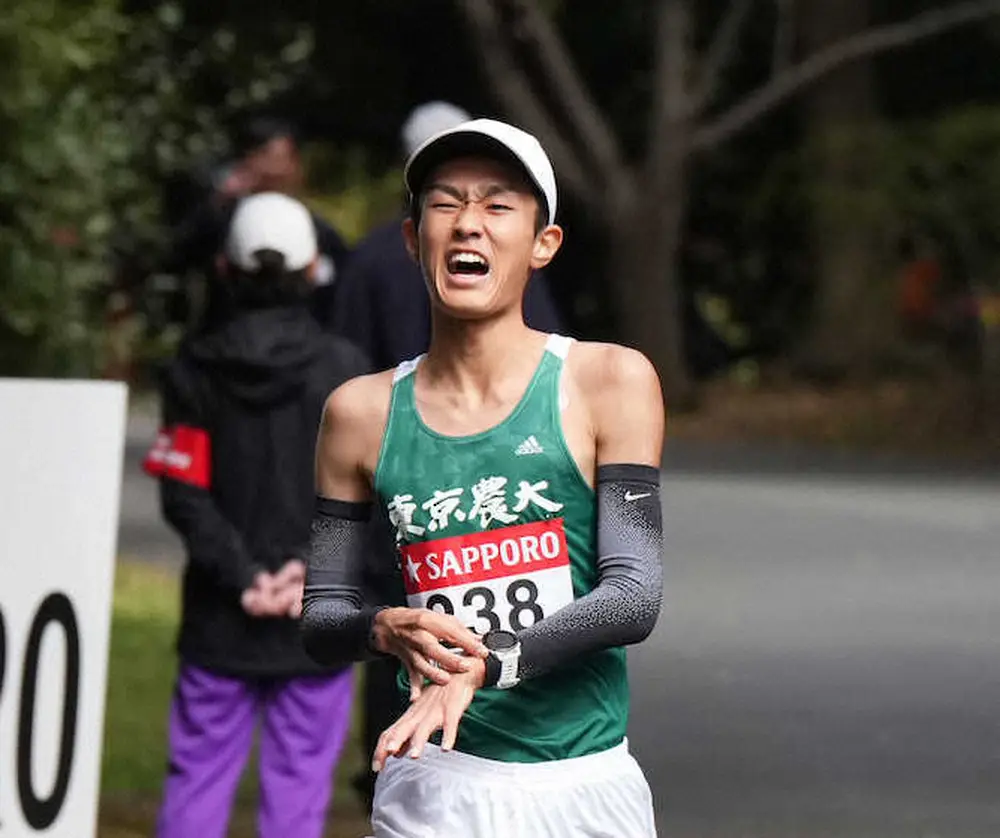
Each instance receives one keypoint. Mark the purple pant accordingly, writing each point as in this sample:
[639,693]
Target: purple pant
[212,722]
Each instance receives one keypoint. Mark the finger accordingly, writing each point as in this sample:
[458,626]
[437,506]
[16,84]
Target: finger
[393,741]
[293,571]
[387,745]
[251,602]
[423,731]
[439,655]
[446,659]
[428,670]
[283,599]
[449,726]
[454,707]
[416,682]
[447,627]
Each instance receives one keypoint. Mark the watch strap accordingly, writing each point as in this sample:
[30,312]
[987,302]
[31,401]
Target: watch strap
[493,669]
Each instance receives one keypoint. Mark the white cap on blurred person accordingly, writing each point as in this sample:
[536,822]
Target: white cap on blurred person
[271,221]
[493,139]
[429,119]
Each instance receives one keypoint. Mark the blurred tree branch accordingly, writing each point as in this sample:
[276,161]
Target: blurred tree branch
[784,35]
[643,203]
[723,49]
[513,88]
[867,44]
[535,30]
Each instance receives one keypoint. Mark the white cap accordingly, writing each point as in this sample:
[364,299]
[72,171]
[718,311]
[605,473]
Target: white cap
[429,119]
[494,139]
[271,221]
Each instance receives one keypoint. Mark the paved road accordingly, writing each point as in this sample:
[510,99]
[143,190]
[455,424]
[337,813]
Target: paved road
[828,663]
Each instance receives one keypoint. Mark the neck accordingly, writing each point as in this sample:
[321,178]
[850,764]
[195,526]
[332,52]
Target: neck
[476,354]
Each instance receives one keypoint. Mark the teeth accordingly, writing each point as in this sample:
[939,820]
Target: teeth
[469,259]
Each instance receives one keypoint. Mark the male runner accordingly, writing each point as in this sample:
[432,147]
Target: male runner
[521,473]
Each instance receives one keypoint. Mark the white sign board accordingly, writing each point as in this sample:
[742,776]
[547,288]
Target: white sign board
[61,446]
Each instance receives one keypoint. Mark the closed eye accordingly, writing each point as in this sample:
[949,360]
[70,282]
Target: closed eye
[499,207]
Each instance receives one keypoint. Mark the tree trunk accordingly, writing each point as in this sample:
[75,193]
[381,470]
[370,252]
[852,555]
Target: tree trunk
[648,227]
[645,272]
[850,330]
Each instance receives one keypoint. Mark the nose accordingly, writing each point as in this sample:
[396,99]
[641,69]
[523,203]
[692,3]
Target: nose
[468,222]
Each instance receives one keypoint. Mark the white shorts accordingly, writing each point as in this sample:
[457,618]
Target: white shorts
[454,795]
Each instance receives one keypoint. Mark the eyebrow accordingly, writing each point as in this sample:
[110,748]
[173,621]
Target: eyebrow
[455,192]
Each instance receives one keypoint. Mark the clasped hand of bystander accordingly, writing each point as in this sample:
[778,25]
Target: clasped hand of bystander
[276,594]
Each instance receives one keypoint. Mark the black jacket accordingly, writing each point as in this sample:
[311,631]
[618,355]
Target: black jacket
[380,302]
[242,405]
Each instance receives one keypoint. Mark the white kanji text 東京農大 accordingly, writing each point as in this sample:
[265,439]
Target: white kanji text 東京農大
[401,509]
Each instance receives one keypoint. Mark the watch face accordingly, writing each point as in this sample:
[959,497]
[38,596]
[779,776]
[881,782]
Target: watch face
[500,641]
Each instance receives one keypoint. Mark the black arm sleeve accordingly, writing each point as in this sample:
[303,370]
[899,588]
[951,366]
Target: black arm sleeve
[212,541]
[624,605]
[336,621]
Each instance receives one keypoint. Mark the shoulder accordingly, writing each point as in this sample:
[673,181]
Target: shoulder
[609,370]
[360,404]
[624,402]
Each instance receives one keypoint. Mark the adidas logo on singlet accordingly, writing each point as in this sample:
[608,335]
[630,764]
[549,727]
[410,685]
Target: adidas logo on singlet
[529,446]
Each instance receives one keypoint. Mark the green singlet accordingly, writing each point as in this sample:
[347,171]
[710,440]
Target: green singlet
[498,528]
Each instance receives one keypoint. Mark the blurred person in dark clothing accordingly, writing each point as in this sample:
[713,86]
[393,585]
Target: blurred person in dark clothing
[381,302]
[268,160]
[242,404]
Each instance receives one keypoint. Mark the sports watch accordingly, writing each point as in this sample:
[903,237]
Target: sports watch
[503,659]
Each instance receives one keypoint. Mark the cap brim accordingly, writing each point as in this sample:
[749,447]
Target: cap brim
[464,143]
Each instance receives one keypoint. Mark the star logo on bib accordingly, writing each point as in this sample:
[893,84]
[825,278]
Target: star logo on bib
[412,567]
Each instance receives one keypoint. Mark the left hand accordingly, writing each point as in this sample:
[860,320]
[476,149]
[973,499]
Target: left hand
[438,708]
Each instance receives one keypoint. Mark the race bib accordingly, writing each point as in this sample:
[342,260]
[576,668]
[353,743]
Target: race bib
[508,578]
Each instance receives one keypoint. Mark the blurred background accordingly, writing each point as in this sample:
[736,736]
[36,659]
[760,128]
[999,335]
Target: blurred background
[792,206]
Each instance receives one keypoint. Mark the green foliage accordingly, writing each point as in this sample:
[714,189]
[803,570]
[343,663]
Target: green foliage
[933,183]
[953,199]
[347,191]
[61,159]
[96,110]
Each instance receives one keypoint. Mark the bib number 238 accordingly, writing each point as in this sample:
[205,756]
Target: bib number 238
[507,579]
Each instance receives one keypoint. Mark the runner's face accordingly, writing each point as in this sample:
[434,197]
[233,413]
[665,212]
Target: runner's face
[477,241]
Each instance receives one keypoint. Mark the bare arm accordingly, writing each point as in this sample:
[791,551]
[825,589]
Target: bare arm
[627,413]
[337,623]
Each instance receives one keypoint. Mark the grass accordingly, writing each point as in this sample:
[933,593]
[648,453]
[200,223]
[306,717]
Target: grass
[142,667]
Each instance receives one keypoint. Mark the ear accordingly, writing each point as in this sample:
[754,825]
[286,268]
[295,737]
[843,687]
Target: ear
[547,244]
[221,265]
[410,237]
[311,270]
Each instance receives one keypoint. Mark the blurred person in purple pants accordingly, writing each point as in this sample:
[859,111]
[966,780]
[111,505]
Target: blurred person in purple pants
[242,404]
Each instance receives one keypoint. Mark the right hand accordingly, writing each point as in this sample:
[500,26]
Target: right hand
[416,635]
[259,599]
[276,594]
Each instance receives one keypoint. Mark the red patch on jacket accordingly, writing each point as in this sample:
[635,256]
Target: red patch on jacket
[183,453]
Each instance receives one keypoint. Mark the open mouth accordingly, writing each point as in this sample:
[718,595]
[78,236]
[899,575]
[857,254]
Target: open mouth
[466,263]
